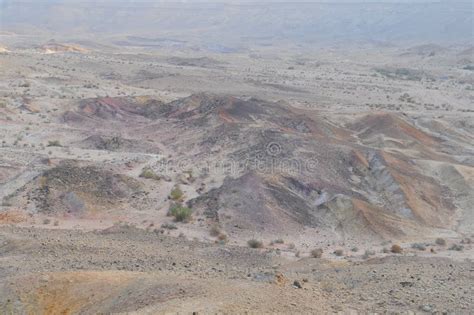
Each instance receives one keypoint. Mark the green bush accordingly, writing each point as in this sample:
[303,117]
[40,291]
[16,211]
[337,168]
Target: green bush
[148,173]
[176,194]
[180,213]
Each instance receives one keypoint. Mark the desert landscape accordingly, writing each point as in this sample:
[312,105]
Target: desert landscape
[200,170]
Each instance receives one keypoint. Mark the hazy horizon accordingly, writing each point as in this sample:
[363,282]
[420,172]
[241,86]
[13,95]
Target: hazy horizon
[242,22]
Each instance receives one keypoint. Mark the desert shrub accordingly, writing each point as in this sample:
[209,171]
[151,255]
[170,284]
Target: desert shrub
[222,237]
[355,249]
[253,243]
[291,246]
[180,213]
[215,230]
[176,193]
[148,173]
[385,250]
[46,221]
[54,143]
[466,240]
[317,253]
[368,253]
[339,252]
[396,249]
[5,203]
[457,247]
[440,241]
[418,246]
[278,241]
[169,226]
[43,182]
[401,73]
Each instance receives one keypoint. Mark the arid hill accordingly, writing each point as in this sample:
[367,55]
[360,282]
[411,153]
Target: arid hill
[285,168]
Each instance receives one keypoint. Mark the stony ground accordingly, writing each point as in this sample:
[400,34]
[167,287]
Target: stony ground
[147,272]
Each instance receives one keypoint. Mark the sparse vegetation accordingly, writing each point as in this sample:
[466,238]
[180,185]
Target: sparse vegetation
[42,182]
[222,237]
[169,226]
[317,253]
[277,241]
[25,85]
[396,249]
[466,240]
[440,241]
[339,252]
[418,246]
[368,253]
[5,203]
[54,143]
[401,73]
[215,230]
[176,193]
[457,247]
[253,243]
[180,213]
[148,173]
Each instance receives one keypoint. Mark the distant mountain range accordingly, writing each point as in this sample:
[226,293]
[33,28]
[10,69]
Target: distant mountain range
[231,23]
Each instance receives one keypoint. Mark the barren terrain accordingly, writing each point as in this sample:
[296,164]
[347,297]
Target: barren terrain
[145,180]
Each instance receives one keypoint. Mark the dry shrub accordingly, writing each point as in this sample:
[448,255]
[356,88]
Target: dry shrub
[396,249]
[215,230]
[253,243]
[222,237]
[440,241]
[317,253]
